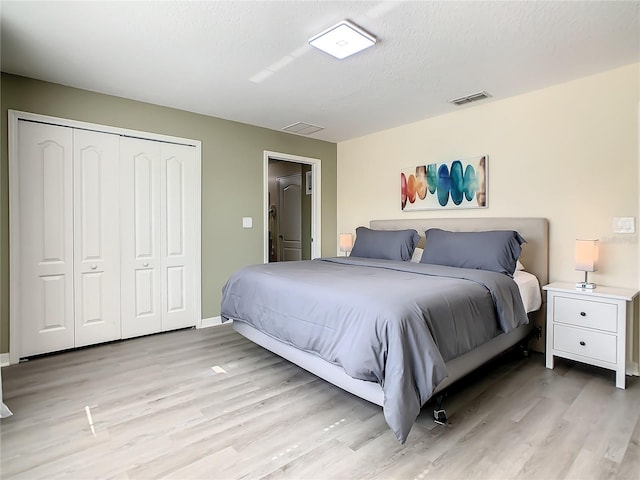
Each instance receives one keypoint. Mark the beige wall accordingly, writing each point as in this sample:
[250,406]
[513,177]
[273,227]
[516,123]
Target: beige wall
[568,153]
[232,163]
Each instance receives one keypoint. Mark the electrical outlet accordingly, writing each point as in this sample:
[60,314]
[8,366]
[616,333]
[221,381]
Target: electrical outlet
[538,331]
[624,224]
[247,222]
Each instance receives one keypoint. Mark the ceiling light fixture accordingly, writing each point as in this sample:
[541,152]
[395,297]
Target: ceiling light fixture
[342,40]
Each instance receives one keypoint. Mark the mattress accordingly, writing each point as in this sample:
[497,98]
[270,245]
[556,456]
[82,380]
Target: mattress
[529,288]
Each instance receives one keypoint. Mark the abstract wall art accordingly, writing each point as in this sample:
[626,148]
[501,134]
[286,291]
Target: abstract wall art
[435,186]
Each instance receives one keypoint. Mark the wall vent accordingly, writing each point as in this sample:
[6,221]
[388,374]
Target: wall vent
[474,97]
[302,128]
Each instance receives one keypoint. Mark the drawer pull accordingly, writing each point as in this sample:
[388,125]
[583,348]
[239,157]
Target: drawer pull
[583,314]
[582,343]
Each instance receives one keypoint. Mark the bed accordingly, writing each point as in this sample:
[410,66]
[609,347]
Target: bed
[342,309]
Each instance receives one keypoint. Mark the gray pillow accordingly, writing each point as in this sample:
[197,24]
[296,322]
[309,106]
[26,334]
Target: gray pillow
[385,244]
[495,250]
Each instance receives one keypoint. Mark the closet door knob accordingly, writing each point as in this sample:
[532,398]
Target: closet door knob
[582,343]
[93,267]
[145,264]
[583,314]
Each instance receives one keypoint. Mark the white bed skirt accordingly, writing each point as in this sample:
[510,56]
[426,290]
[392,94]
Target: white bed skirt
[371,391]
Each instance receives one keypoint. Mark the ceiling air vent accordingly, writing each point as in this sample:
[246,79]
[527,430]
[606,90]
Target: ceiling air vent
[302,128]
[470,98]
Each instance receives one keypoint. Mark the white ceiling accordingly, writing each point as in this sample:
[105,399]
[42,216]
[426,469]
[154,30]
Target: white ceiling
[249,61]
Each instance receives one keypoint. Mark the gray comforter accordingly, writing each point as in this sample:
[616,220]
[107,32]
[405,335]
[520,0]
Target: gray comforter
[394,323]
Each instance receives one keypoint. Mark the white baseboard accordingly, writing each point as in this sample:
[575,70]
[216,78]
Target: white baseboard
[4,360]
[212,322]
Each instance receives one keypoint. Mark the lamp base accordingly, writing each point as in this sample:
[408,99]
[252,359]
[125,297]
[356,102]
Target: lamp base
[586,285]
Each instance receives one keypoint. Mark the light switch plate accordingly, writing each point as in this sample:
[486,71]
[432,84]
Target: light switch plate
[247,222]
[624,224]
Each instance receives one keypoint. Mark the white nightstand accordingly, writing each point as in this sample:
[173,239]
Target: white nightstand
[589,326]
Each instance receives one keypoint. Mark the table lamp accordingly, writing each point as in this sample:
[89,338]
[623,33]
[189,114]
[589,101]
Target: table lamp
[346,243]
[586,260]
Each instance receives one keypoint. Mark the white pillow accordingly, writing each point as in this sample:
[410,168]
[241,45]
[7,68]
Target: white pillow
[519,266]
[417,255]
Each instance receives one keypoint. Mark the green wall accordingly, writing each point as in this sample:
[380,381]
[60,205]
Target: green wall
[232,184]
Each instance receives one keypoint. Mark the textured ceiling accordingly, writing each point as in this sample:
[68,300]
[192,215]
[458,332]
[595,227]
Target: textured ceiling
[250,62]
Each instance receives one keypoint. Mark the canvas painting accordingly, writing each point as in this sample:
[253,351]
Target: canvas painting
[450,185]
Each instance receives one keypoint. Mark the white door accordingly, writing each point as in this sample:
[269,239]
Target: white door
[45,154]
[160,214]
[96,237]
[105,235]
[140,248]
[179,259]
[290,218]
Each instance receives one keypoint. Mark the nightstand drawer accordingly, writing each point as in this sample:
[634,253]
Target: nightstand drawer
[600,346]
[586,313]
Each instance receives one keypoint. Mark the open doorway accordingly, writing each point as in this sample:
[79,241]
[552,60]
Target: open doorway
[289,213]
[292,207]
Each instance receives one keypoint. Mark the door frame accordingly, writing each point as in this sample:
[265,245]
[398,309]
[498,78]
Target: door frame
[14,242]
[316,216]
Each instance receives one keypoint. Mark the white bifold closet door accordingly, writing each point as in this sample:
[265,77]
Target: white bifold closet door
[46,238]
[158,220]
[69,267]
[96,237]
[108,236]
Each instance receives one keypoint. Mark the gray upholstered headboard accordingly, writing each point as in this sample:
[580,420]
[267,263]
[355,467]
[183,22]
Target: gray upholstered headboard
[535,253]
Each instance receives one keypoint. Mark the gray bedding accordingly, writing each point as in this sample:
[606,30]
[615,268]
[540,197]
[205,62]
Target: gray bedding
[394,323]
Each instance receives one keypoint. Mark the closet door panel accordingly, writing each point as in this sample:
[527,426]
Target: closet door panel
[145,293]
[141,230]
[96,237]
[179,204]
[176,291]
[45,225]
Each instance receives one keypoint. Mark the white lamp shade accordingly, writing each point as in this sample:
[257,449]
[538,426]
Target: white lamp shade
[346,242]
[587,255]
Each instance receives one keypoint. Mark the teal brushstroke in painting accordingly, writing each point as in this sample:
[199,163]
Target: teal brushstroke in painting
[432,177]
[470,183]
[444,185]
[457,182]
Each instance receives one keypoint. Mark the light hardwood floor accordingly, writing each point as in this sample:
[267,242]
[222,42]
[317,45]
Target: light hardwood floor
[158,410]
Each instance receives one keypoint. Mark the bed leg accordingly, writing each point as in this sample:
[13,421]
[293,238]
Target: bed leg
[439,414]
[524,349]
